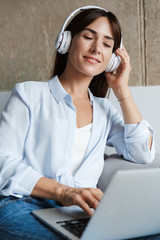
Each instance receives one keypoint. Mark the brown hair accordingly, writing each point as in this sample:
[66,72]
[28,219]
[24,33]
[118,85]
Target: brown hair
[98,85]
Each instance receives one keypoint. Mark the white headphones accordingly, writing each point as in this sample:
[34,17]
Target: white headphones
[64,38]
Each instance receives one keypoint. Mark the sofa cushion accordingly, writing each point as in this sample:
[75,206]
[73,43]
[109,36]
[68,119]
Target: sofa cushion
[113,163]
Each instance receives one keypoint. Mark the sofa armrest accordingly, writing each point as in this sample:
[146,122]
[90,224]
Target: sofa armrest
[113,163]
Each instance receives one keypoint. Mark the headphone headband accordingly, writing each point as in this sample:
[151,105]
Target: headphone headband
[78,10]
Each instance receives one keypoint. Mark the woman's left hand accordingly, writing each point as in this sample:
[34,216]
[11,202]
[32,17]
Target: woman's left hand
[119,81]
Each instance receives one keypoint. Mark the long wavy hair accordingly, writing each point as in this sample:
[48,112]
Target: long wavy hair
[98,85]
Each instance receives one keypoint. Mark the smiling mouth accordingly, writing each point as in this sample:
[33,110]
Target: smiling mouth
[91,59]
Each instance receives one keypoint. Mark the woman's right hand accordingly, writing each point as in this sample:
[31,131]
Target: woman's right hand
[86,198]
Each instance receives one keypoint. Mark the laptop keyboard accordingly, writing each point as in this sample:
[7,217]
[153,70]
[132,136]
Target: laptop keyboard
[75,226]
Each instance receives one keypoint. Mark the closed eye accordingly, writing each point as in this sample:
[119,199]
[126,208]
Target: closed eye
[87,37]
[105,44]
[91,38]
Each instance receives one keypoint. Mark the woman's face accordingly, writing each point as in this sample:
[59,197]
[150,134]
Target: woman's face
[91,49]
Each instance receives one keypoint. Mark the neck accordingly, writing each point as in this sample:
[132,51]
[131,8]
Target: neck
[75,84]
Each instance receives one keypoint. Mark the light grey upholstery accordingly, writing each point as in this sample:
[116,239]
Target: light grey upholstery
[113,163]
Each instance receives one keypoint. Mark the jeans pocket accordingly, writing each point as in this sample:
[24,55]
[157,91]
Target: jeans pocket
[11,199]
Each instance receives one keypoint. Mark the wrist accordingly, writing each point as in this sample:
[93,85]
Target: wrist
[48,188]
[57,191]
[60,191]
[124,99]
[122,94]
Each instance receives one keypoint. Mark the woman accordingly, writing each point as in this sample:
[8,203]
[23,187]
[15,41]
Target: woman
[53,134]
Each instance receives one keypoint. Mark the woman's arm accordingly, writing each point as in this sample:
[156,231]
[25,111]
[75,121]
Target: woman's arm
[119,83]
[86,198]
[16,177]
[131,114]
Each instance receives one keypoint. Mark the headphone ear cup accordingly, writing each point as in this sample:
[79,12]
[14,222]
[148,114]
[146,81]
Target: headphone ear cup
[113,63]
[116,64]
[58,41]
[63,42]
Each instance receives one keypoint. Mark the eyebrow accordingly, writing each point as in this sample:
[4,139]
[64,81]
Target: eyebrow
[95,33]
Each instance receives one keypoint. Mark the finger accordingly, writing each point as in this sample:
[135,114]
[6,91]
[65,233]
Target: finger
[122,54]
[93,197]
[82,204]
[119,69]
[125,59]
[90,197]
[124,49]
[87,209]
[97,193]
[92,202]
[79,198]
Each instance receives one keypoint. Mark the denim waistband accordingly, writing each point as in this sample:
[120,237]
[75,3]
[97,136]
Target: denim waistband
[39,202]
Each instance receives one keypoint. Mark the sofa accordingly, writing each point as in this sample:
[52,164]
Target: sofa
[147,100]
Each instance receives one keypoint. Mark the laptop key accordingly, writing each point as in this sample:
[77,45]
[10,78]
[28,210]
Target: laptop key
[75,226]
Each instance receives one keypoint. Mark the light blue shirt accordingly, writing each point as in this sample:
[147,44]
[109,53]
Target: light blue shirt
[37,130]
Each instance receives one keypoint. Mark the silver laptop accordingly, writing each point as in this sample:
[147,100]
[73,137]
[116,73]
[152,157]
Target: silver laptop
[129,208]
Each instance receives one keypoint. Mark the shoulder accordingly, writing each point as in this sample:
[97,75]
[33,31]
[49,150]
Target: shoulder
[30,87]
[31,90]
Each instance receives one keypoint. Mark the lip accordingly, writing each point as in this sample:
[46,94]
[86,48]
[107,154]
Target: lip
[92,58]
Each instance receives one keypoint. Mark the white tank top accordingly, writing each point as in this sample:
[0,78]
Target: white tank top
[82,137]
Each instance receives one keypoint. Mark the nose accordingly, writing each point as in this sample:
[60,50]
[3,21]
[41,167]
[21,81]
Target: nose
[95,47]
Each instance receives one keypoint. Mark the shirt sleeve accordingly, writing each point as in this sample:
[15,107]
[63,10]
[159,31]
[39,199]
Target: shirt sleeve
[16,178]
[131,140]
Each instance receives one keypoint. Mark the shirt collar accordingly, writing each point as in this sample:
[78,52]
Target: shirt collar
[90,96]
[57,90]
[59,93]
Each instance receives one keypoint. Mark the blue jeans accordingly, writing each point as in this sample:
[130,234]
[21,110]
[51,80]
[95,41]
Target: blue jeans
[17,222]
